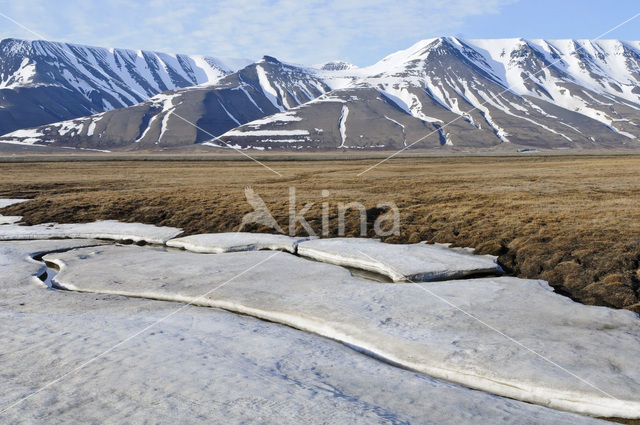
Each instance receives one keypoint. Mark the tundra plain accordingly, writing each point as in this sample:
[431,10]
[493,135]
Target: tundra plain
[573,221]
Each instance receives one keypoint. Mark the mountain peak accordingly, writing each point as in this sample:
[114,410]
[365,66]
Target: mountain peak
[270,59]
[336,65]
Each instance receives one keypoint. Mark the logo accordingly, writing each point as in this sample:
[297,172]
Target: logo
[384,213]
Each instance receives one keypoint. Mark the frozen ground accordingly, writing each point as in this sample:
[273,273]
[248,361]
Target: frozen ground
[216,243]
[199,365]
[107,229]
[415,262]
[527,343]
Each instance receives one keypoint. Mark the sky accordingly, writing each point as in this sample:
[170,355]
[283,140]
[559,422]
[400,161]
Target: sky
[308,32]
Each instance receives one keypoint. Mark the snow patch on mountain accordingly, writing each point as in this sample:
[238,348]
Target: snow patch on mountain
[342,125]
[267,133]
[268,90]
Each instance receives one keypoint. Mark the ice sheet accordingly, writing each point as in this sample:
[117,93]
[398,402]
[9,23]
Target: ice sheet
[203,365]
[216,243]
[18,268]
[10,219]
[4,202]
[414,262]
[107,229]
[524,341]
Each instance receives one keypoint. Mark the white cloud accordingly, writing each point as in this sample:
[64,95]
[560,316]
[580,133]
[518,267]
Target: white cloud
[360,31]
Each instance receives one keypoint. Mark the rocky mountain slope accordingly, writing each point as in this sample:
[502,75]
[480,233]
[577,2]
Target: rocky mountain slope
[186,116]
[440,93]
[43,82]
[482,93]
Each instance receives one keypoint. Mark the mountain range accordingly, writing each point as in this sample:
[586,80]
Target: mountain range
[442,93]
[43,82]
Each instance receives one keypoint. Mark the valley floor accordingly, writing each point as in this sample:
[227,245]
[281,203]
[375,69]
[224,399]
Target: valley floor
[571,220]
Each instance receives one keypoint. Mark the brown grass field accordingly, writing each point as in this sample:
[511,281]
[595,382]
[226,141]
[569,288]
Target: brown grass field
[571,220]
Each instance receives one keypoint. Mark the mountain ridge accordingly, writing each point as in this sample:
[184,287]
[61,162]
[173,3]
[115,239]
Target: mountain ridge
[533,93]
[45,81]
[188,115]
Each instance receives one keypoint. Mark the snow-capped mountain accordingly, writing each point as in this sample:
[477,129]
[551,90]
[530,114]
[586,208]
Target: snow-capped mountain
[482,93]
[43,81]
[460,94]
[185,116]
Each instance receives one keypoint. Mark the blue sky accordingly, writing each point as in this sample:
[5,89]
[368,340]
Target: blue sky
[359,31]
